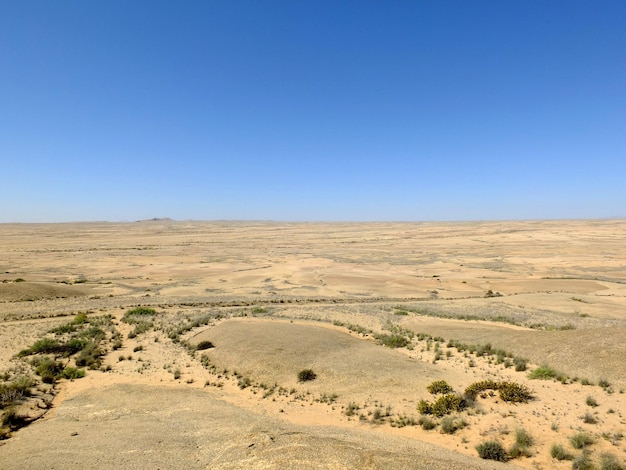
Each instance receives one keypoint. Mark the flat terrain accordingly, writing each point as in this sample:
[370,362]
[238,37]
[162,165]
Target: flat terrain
[467,301]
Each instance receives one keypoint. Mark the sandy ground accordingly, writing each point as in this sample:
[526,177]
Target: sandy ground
[277,298]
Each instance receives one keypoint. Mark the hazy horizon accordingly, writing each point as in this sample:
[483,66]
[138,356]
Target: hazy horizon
[312,111]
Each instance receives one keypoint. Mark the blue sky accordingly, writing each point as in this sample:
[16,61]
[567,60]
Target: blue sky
[312,110]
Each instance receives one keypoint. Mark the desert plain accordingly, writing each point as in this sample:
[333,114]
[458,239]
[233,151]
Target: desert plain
[195,335]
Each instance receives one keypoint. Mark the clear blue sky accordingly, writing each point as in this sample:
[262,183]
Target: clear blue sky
[312,110]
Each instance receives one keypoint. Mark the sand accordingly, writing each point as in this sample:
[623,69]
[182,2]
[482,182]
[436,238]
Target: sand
[278,298]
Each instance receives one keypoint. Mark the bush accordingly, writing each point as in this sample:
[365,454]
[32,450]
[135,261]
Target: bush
[543,373]
[306,375]
[392,341]
[65,328]
[202,345]
[71,373]
[511,392]
[588,418]
[590,401]
[140,327]
[520,364]
[13,392]
[48,369]
[447,404]
[426,423]
[514,393]
[581,440]
[141,311]
[424,407]
[609,462]
[440,386]
[523,440]
[558,452]
[80,318]
[473,390]
[492,450]
[90,356]
[450,424]
[583,462]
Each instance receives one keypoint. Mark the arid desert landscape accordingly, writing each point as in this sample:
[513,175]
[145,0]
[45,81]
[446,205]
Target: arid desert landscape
[260,345]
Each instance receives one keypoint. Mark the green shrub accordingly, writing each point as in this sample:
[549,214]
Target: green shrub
[13,392]
[492,450]
[392,341]
[306,375]
[71,373]
[66,328]
[90,356]
[140,327]
[590,401]
[511,392]
[439,386]
[80,318]
[523,440]
[543,373]
[48,369]
[514,393]
[451,424]
[609,462]
[583,462]
[449,403]
[426,423]
[475,389]
[141,311]
[424,407]
[581,440]
[558,452]
[520,364]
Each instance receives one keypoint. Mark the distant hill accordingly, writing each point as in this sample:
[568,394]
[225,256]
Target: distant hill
[157,219]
